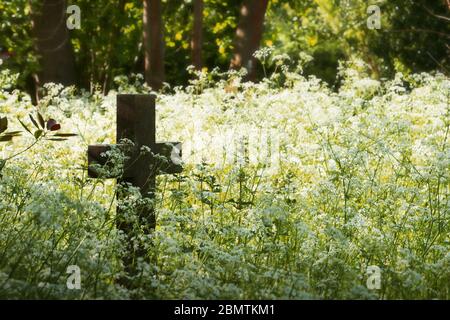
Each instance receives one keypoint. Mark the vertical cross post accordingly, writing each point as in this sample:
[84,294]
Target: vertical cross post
[136,122]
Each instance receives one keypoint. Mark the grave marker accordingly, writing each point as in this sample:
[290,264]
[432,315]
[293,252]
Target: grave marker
[136,122]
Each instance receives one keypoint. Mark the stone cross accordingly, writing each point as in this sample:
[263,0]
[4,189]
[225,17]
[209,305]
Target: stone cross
[136,122]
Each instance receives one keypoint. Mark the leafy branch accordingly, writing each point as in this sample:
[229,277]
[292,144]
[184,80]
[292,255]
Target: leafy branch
[44,130]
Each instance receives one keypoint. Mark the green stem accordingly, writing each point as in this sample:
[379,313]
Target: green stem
[24,150]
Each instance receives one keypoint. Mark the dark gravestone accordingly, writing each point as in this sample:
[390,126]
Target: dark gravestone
[136,122]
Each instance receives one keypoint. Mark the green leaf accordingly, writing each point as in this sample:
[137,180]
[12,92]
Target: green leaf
[13,133]
[65,135]
[38,134]
[3,124]
[41,120]
[56,139]
[5,138]
[24,126]
[34,121]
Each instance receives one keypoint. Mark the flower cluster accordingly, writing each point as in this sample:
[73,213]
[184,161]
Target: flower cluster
[357,177]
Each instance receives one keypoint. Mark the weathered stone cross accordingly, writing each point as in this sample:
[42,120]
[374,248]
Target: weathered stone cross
[136,122]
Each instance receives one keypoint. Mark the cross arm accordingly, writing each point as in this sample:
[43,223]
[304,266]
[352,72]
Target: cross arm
[170,151]
[95,157]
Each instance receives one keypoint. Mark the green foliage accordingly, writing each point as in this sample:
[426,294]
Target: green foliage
[417,37]
[412,38]
[109,41]
[15,39]
[333,30]
[362,179]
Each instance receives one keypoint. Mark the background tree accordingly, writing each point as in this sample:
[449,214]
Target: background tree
[197,37]
[417,37]
[248,35]
[53,45]
[153,44]
[110,43]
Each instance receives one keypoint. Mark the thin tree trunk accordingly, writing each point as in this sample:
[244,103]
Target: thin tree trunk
[153,44]
[111,61]
[197,37]
[53,45]
[248,35]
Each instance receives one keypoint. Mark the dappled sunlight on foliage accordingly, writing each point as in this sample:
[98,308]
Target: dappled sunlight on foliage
[360,177]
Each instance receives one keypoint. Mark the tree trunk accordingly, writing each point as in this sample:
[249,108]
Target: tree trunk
[114,38]
[248,35]
[53,45]
[153,44]
[197,37]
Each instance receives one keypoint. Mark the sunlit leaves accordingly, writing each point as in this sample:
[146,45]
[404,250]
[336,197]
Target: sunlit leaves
[43,129]
[363,178]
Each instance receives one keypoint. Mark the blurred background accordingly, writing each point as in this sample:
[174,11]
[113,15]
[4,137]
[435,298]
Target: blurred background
[160,39]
